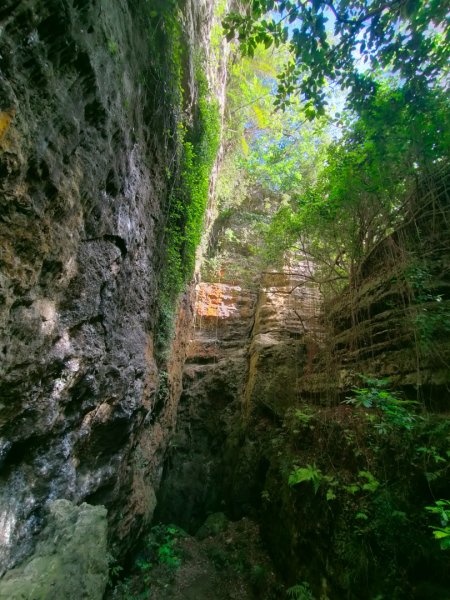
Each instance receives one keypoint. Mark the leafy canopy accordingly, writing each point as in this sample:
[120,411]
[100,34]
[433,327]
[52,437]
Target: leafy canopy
[332,40]
[361,194]
[279,152]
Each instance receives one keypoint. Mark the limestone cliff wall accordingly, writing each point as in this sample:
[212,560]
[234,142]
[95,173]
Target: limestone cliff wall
[395,320]
[87,126]
[213,380]
[252,350]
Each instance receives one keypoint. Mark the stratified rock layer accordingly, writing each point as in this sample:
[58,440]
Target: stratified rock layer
[252,349]
[214,377]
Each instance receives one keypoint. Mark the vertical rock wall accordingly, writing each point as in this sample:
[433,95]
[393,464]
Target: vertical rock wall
[395,320]
[86,130]
[213,379]
[252,349]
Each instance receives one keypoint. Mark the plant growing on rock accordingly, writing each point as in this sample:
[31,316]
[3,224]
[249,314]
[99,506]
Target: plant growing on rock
[300,591]
[198,147]
[162,542]
[309,473]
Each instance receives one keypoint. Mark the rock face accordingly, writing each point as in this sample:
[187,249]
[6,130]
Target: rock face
[86,124]
[252,349]
[286,340]
[70,559]
[214,376]
[395,322]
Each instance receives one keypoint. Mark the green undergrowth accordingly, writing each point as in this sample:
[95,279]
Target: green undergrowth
[300,591]
[362,490]
[156,562]
[224,560]
[441,508]
[430,309]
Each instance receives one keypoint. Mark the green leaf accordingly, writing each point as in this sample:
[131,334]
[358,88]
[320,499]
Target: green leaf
[304,474]
[371,484]
[439,534]
[361,516]
[330,495]
[310,113]
[352,489]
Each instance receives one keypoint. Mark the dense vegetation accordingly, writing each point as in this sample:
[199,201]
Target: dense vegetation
[195,143]
[338,184]
[329,41]
[187,203]
[364,190]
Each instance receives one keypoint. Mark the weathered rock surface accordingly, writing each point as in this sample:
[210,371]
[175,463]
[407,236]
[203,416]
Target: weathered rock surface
[86,125]
[251,350]
[214,376]
[81,194]
[286,341]
[395,322]
[70,560]
[214,524]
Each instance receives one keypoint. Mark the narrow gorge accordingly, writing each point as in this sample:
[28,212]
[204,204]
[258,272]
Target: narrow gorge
[224,300]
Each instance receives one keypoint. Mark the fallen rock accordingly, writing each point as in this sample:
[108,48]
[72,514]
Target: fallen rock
[214,524]
[70,559]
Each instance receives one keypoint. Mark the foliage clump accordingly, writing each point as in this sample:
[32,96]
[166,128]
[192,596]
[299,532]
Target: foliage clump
[187,203]
[442,533]
[364,190]
[353,494]
[329,40]
[192,139]
[158,556]
[198,144]
[393,410]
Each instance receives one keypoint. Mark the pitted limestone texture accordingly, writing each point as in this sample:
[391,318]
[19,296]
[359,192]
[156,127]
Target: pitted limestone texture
[87,128]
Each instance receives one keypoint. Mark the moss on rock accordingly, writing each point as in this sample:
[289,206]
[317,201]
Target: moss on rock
[70,560]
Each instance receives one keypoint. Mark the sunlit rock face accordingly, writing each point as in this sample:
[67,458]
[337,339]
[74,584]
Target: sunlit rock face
[214,375]
[85,146]
[223,315]
[251,349]
[287,338]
